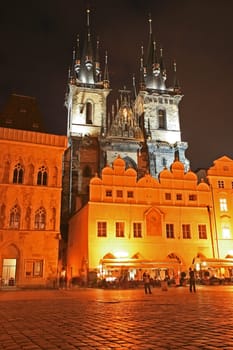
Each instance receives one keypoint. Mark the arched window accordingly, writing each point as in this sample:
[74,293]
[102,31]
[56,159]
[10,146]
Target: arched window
[15,217]
[88,113]
[18,174]
[162,118]
[42,176]
[40,219]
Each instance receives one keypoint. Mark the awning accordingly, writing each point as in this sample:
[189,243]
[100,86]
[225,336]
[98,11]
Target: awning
[218,263]
[138,263]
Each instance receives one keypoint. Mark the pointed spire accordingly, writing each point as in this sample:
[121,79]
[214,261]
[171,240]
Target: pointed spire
[97,61]
[142,71]
[176,87]
[150,49]
[78,56]
[72,74]
[106,73]
[134,88]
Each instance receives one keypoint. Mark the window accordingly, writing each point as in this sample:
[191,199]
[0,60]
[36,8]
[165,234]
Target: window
[18,174]
[162,118]
[108,193]
[223,204]
[120,229]
[220,184]
[87,171]
[168,196]
[192,197]
[170,231]
[102,229]
[186,231]
[164,162]
[42,176]
[34,268]
[88,113]
[178,196]
[119,194]
[15,217]
[137,229]
[202,232]
[130,194]
[40,219]
[226,233]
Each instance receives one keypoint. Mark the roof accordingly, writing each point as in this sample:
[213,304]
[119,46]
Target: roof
[21,112]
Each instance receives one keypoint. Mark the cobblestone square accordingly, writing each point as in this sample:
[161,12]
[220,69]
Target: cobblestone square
[117,319]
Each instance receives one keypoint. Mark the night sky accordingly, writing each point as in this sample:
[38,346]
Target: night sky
[37,39]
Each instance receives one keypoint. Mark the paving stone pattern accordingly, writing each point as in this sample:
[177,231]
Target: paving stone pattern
[117,319]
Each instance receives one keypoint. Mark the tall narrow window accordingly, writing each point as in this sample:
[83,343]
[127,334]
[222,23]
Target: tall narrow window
[88,113]
[15,217]
[40,219]
[223,204]
[42,176]
[186,231]
[120,229]
[202,231]
[102,229]
[18,174]
[170,231]
[137,229]
[162,118]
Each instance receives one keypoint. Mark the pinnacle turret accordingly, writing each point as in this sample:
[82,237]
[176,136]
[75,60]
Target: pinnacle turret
[86,67]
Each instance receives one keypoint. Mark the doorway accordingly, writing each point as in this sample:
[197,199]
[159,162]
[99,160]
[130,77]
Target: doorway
[8,273]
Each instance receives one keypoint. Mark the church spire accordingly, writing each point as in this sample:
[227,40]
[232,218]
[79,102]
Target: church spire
[106,73]
[176,87]
[154,72]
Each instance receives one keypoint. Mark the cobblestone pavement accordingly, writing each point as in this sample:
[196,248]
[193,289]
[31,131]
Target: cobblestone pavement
[117,319]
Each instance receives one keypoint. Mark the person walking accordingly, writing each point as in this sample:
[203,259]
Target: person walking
[192,281]
[147,283]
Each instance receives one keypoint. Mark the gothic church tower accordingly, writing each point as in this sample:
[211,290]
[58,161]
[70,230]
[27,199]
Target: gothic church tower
[88,88]
[158,106]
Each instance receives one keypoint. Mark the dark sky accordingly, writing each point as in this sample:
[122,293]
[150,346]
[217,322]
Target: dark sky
[37,38]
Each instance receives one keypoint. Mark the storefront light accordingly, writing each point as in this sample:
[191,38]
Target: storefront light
[121,254]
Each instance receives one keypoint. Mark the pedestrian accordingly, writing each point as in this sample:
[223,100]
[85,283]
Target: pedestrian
[147,283]
[192,281]
[63,278]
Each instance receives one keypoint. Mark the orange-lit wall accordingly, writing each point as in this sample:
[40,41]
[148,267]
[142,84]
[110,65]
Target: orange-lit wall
[148,206]
[25,243]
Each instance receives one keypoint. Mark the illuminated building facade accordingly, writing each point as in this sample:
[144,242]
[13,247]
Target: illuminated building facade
[143,127]
[162,226]
[30,202]
[145,210]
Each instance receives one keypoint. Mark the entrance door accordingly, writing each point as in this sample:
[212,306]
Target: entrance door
[8,272]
